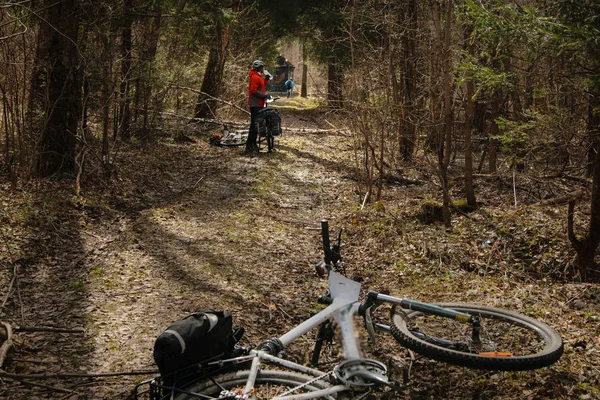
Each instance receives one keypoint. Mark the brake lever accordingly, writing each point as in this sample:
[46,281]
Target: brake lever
[339,241]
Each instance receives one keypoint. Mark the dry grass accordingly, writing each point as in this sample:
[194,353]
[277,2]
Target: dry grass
[187,226]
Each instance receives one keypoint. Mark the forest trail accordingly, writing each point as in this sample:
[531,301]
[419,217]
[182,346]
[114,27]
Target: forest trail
[189,226]
[186,226]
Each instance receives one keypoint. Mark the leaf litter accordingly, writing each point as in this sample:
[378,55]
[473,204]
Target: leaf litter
[185,226]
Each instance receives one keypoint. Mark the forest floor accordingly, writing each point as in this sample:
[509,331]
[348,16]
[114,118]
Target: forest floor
[184,225]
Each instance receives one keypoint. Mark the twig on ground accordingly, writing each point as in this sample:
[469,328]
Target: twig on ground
[197,182]
[49,387]
[7,342]
[48,329]
[4,374]
[331,125]
[10,285]
[22,360]
[14,271]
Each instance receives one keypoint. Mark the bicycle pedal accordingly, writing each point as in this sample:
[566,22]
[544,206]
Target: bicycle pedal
[399,369]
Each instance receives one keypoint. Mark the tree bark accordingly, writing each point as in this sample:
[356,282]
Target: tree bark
[586,248]
[435,139]
[494,130]
[334,85]
[593,136]
[144,82]
[304,87]
[56,87]
[407,143]
[468,133]
[106,103]
[495,112]
[206,107]
[447,116]
[126,61]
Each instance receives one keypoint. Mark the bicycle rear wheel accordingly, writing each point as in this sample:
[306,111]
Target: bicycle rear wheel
[269,384]
[506,340]
[270,142]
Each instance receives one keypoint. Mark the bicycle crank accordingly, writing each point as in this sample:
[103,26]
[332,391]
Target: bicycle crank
[362,372]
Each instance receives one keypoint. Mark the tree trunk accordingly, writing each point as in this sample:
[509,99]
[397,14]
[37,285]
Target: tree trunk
[435,139]
[494,130]
[145,81]
[304,87]
[126,57]
[9,142]
[106,103]
[468,133]
[586,248]
[493,143]
[56,87]
[334,85]
[447,116]
[206,107]
[593,136]
[407,143]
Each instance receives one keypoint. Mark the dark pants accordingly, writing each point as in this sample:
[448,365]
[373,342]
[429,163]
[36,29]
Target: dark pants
[251,144]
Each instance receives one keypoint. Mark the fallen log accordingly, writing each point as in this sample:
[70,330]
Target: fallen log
[561,200]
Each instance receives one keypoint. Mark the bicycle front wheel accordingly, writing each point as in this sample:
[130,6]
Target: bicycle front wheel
[504,340]
[235,142]
[269,384]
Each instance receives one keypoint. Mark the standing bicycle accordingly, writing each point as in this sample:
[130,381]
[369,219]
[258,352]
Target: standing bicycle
[268,124]
[467,335]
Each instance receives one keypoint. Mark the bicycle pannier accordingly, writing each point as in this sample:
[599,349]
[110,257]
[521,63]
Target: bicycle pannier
[203,335]
[268,119]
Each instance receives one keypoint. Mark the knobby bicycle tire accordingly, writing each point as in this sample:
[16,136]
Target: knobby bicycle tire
[267,383]
[525,343]
[270,142]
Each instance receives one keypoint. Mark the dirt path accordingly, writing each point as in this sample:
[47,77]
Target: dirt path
[191,226]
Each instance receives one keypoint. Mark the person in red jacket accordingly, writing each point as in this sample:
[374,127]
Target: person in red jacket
[257,95]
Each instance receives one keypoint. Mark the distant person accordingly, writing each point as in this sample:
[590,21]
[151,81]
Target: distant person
[257,95]
[289,84]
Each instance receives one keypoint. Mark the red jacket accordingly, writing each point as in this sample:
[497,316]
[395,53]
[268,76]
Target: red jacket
[257,89]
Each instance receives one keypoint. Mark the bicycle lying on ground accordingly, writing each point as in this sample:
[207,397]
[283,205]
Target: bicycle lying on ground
[268,126]
[472,336]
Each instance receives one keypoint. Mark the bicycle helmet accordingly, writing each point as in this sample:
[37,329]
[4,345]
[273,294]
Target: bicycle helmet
[258,64]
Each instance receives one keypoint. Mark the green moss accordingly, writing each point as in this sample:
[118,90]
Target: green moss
[463,206]
[97,271]
[75,286]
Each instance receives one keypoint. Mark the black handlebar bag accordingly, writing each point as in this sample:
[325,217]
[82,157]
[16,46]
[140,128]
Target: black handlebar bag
[204,335]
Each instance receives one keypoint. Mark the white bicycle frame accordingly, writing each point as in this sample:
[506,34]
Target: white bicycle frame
[345,304]
[345,293]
